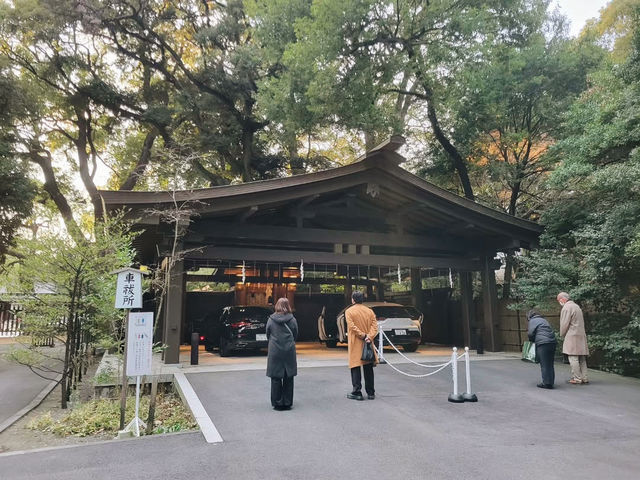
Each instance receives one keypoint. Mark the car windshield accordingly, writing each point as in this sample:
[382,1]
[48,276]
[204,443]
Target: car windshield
[413,312]
[249,314]
[391,312]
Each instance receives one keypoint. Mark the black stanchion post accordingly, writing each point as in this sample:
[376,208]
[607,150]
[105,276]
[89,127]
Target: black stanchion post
[195,342]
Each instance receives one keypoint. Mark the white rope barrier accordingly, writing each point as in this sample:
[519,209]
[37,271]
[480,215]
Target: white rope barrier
[407,358]
[454,397]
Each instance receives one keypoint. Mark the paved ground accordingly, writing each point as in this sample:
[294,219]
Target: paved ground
[18,386]
[515,431]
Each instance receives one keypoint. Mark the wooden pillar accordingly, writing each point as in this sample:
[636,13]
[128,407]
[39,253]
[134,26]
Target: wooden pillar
[369,292]
[173,312]
[347,291]
[489,307]
[466,305]
[416,288]
[380,291]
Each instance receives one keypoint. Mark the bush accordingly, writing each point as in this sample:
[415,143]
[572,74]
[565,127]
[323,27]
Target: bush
[102,416]
[614,340]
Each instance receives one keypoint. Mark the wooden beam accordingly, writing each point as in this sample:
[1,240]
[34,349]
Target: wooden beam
[275,255]
[214,230]
[224,278]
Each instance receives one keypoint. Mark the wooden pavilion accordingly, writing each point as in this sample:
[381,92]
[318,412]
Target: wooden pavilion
[371,214]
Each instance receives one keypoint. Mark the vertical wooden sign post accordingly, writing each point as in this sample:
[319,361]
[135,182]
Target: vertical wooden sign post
[128,296]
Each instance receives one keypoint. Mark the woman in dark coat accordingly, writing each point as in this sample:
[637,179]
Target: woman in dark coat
[541,333]
[282,331]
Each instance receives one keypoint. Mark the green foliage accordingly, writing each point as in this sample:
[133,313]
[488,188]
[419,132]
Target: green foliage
[616,339]
[102,416]
[17,191]
[79,308]
[79,276]
[590,246]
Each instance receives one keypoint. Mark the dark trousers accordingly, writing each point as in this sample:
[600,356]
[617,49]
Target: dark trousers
[546,353]
[356,379]
[282,392]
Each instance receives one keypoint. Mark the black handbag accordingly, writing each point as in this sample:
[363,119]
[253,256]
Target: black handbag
[367,353]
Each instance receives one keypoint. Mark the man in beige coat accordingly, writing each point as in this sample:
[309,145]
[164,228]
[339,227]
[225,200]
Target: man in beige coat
[575,339]
[362,326]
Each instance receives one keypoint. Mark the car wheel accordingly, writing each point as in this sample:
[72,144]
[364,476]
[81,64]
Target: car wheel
[410,348]
[224,347]
[208,347]
[332,343]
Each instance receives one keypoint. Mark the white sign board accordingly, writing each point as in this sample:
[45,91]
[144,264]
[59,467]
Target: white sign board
[129,289]
[139,343]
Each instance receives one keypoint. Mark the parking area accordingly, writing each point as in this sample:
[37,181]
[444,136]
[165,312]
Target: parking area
[515,431]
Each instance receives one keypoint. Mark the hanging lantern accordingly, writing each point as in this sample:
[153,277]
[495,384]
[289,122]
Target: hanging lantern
[399,277]
[244,272]
[301,270]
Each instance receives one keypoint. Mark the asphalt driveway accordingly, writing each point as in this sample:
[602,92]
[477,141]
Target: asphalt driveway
[18,387]
[515,431]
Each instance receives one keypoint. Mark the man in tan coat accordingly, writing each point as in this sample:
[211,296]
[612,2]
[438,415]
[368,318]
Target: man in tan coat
[575,338]
[362,326]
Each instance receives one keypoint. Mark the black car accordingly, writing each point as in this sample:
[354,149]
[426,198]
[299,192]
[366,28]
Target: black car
[237,328]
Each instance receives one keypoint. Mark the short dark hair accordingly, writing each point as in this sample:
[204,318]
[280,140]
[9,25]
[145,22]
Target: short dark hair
[358,296]
[532,313]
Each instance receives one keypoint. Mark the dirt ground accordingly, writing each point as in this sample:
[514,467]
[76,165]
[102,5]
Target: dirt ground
[19,437]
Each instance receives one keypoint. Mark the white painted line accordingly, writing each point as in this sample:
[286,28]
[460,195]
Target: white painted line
[33,404]
[189,396]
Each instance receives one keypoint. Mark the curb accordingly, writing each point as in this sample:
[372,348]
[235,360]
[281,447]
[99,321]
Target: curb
[33,404]
[189,396]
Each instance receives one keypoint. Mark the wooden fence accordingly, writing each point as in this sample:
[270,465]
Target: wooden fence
[512,326]
[10,321]
[12,325]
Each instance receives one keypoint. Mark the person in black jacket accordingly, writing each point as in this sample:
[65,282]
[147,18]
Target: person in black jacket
[541,333]
[282,331]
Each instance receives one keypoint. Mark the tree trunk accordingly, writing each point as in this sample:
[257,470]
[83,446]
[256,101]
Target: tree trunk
[508,267]
[52,188]
[458,162]
[143,161]
[83,141]
[247,152]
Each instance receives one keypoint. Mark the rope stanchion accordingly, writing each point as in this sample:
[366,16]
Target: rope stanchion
[468,396]
[380,347]
[455,397]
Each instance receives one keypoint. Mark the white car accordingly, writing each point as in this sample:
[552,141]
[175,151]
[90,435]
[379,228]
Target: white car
[402,325]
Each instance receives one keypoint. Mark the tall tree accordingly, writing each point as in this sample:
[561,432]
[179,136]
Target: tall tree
[368,58]
[591,246]
[206,52]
